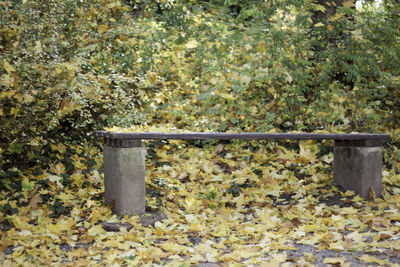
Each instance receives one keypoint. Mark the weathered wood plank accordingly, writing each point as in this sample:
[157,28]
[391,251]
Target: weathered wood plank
[244,136]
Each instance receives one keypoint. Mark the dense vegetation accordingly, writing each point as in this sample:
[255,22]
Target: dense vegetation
[68,68]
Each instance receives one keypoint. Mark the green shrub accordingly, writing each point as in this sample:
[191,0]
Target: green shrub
[67,68]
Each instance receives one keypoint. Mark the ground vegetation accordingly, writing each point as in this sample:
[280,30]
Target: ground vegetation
[68,68]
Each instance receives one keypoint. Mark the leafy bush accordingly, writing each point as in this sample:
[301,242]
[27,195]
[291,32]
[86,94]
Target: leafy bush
[67,68]
[70,67]
[277,68]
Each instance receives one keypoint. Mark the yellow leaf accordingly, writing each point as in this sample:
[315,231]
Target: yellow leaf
[38,46]
[220,231]
[98,214]
[279,257]
[114,4]
[335,261]
[19,222]
[58,169]
[320,8]
[7,81]
[310,228]
[13,111]
[7,66]
[328,158]
[61,226]
[245,79]
[55,179]
[357,198]
[271,263]
[191,44]
[173,247]
[102,28]
[306,154]
[348,193]
[151,77]
[349,210]
[395,217]
[27,98]
[249,251]
[8,94]
[336,16]
[393,199]
[193,205]
[319,24]
[248,47]
[336,246]
[96,230]
[95,177]
[59,147]
[4,243]
[58,70]
[372,259]
[77,179]
[356,236]
[111,257]
[349,3]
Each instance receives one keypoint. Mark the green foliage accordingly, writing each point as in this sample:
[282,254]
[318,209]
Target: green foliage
[288,68]
[360,68]
[70,67]
[66,68]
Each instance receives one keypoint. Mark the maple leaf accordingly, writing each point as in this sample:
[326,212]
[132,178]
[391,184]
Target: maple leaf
[8,67]
[27,185]
[61,226]
[35,201]
[340,261]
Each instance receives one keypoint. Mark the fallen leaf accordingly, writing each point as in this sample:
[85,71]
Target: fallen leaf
[339,261]
[35,201]
[8,67]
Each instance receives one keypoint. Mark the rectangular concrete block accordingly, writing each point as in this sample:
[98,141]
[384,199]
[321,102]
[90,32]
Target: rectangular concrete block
[358,168]
[124,179]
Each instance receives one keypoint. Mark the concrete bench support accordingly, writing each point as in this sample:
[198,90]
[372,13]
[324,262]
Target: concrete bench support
[358,166]
[124,176]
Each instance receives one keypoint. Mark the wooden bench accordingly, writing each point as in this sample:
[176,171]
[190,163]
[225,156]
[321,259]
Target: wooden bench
[357,161]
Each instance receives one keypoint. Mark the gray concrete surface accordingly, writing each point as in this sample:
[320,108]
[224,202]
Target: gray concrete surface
[124,179]
[358,169]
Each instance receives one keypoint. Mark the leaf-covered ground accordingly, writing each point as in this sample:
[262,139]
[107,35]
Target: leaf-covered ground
[194,67]
[240,203]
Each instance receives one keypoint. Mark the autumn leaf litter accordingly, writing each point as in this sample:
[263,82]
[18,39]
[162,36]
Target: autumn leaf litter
[212,204]
[209,203]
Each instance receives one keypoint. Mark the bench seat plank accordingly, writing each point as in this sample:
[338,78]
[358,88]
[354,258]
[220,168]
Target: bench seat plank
[243,136]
